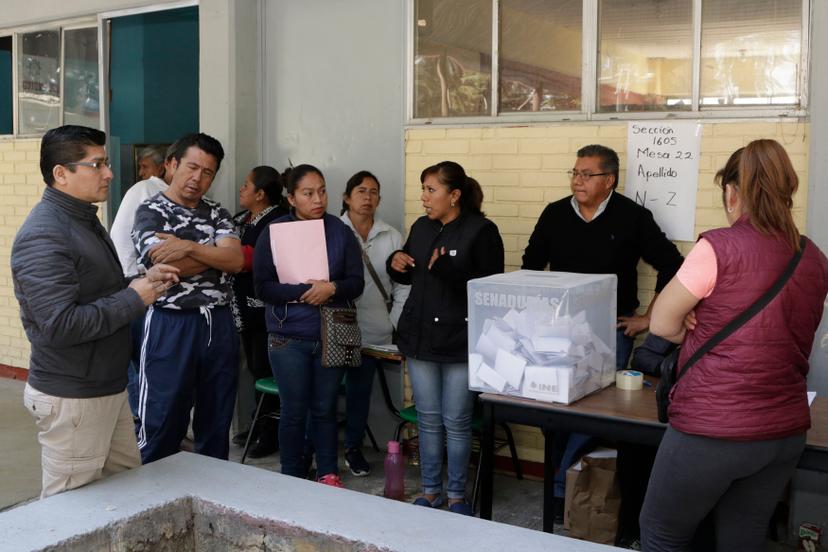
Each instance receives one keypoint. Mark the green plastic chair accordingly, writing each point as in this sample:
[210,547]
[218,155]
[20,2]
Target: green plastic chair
[265,386]
[268,386]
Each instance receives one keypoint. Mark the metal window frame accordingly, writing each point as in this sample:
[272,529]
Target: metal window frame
[589,81]
[91,25]
[51,26]
[495,98]
[60,25]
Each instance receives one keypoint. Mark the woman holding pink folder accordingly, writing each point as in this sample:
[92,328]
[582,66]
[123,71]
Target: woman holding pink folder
[293,323]
[453,243]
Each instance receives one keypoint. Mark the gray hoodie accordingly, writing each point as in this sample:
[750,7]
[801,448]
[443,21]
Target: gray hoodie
[74,301]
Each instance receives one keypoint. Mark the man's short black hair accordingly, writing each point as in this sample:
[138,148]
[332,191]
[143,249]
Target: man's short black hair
[609,159]
[66,144]
[204,142]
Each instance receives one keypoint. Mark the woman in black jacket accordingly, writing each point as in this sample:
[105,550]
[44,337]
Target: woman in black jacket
[261,198]
[446,248]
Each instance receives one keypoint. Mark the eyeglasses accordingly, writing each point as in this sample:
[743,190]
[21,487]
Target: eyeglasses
[573,174]
[97,165]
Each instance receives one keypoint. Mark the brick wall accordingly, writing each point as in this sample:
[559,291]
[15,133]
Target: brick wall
[521,169]
[21,186]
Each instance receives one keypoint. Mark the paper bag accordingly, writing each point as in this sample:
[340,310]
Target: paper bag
[596,501]
[571,476]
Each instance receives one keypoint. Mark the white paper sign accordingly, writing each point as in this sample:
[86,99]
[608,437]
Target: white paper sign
[663,173]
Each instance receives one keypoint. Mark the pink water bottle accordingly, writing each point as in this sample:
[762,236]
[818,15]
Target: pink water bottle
[394,472]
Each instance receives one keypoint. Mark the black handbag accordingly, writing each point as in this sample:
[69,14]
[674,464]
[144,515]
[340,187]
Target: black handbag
[669,373]
[648,356]
[341,338]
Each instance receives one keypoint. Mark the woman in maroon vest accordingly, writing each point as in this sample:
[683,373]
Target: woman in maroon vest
[738,416]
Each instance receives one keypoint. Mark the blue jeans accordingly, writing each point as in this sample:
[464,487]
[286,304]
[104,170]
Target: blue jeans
[578,444]
[358,384]
[136,331]
[443,399]
[305,388]
[623,349]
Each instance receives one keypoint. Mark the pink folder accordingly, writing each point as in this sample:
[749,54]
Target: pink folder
[299,251]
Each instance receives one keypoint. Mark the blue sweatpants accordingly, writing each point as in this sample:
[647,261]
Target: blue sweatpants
[188,358]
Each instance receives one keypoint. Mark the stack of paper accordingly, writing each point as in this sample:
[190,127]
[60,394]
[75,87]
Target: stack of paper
[538,353]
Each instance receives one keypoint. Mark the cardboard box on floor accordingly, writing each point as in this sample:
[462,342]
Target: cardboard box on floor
[598,526]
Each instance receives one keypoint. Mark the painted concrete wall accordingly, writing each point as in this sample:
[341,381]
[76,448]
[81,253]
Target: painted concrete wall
[334,92]
[817,186]
[818,190]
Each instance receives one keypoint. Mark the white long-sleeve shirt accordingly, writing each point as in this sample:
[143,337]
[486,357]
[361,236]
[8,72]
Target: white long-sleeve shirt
[375,322]
[121,231]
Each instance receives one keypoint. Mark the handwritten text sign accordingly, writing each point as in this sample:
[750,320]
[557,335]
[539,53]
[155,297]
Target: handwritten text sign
[663,172]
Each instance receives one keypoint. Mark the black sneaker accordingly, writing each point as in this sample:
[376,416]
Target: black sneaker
[308,470]
[356,462]
[239,439]
[263,445]
[558,506]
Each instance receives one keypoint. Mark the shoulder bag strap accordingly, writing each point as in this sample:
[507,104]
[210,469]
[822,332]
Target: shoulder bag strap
[375,277]
[742,319]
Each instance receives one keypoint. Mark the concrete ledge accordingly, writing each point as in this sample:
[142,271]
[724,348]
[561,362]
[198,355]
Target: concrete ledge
[163,496]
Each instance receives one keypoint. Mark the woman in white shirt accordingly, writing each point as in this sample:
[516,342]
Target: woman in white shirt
[378,308]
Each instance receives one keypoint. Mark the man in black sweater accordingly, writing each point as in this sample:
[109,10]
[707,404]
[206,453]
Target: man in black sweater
[598,231]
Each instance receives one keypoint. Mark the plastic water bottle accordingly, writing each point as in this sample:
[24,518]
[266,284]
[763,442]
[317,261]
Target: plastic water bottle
[394,472]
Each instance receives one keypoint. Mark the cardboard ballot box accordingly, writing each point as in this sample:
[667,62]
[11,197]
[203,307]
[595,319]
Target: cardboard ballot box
[548,336]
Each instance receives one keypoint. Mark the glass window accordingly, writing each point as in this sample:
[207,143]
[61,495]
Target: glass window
[645,50]
[80,77]
[751,52]
[540,55]
[452,58]
[6,86]
[38,82]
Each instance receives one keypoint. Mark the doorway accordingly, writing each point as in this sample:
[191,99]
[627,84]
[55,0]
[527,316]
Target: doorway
[153,72]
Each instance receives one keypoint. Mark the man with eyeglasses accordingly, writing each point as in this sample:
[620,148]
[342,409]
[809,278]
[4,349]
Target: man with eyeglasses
[190,348]
[76,307]
[598,231]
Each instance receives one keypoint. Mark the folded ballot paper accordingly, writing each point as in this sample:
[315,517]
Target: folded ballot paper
[548,336]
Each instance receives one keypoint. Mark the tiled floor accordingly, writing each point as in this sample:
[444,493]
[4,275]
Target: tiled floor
[515,502]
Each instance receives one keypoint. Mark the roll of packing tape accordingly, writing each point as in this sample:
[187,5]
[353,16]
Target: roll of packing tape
[629,380]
